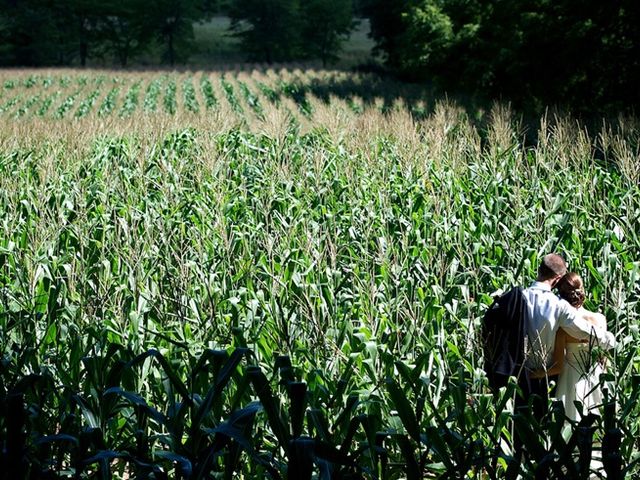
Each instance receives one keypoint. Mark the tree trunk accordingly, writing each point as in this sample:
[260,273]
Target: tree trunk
[84,44]
[83,54]
[172,55]
[123,53]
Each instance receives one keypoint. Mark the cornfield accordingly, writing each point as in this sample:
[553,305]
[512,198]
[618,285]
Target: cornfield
[282,274]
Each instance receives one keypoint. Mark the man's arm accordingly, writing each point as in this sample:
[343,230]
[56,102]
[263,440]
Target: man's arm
[572,322]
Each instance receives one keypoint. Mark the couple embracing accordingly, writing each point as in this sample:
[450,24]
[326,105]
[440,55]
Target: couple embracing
[560,334]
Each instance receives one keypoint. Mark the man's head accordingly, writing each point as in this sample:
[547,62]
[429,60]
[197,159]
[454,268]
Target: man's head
[551,269]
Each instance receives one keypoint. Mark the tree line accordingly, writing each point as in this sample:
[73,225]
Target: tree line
[72,32]
[66,32]
[584,54]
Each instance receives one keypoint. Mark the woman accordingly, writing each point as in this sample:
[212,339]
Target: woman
[579,373]
[573,361]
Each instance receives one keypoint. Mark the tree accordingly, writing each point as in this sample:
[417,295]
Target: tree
[268,29]
[124,28]
[45,32]
[580,54]
[172,22]
[72,29]
[26,31]
[209,8]
[80,26]
[387,26]
[327,23]
[428,36]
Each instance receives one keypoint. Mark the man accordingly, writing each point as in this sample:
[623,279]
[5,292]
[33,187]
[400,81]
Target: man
[547,313]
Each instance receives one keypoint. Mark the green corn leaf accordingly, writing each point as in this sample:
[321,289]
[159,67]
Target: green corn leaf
[318,421]
[238,426]
[270,404]
[403,407]
[183,462]
[301,458]
[60,437]
[297,405]
[92,417]
[168,370]
[230,367]
[408,452]
[137,400]
[328,452]
[224,376]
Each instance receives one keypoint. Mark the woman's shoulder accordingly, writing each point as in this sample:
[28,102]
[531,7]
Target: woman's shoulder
[595,318]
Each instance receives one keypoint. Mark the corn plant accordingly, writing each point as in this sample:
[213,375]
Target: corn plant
[252,100]
[109,103]
[27,105]
[297,94]
[130,101]
[207,91]
[169,99]
[152,94]
[10,103]
[87,104]
[30,81]
[271,94]
[190,101]
[297,296]
[46,104]
[228,90]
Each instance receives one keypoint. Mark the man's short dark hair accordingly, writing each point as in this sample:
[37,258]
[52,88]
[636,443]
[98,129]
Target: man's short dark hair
[551,266]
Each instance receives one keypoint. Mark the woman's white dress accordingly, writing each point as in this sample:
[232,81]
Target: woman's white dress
[579,380]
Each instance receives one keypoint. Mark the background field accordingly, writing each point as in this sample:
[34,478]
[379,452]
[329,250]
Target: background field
[278,272]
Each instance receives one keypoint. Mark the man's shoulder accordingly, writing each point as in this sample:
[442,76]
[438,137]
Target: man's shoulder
[540,287]
[541,297]
[512,302]
[513,294]
[536,289]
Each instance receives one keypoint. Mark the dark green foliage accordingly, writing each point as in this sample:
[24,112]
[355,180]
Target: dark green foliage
[172,24]
[280,30]
[124,28]
[39,32]
[152,94]
[578,54]
[130,101]
[387,26]
[211,424]
[269,29]
[26,31]
[207,91]
[231,95]
[326,26]
[169,99]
